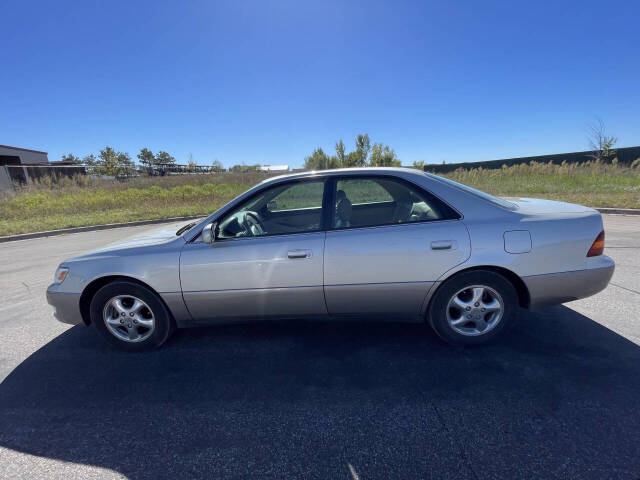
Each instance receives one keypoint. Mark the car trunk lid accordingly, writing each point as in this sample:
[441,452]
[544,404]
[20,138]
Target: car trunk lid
[541,206]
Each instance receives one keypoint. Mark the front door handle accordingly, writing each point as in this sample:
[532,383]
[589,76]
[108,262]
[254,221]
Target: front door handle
[443,245]
[299,253]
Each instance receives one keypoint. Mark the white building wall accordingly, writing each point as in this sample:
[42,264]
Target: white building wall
[275,168]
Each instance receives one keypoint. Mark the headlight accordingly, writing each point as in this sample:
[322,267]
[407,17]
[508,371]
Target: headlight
[61,274]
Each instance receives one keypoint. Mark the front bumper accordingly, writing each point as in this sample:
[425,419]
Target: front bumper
[66,306]
[556,288]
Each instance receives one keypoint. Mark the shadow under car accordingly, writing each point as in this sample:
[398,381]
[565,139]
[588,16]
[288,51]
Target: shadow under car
[555,397]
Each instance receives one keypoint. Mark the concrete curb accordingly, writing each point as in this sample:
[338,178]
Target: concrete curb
[91,228]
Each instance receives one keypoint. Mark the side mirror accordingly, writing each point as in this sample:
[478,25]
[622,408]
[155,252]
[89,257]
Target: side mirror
[209,232]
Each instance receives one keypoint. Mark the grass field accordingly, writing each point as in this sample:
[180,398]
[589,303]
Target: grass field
[592,184]
[89,201]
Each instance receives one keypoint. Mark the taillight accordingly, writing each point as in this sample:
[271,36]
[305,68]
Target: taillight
[598,246]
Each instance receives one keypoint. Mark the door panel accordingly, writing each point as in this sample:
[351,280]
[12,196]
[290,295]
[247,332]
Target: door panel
[389,269]
[372,213]
[287,221]
[226,305]
[376,300]
[254,277]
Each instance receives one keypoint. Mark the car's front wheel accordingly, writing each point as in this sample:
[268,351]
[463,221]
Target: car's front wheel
[473,307]
[130,316]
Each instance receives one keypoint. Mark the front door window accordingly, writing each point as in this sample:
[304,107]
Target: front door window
[283,209]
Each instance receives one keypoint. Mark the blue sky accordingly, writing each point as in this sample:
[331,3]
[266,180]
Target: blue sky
[267,82]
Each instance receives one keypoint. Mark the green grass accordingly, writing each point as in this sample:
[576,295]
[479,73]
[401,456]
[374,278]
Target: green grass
[89,201]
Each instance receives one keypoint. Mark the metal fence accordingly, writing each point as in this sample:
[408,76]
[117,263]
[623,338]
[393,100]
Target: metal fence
[625,156]
[176,169]
[12,176]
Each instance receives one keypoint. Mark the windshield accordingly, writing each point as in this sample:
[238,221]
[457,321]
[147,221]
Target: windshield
[478,193]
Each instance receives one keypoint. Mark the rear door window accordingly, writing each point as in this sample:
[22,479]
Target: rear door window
[367,202]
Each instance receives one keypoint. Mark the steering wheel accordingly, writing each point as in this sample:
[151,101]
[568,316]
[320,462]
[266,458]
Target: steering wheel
[252,224]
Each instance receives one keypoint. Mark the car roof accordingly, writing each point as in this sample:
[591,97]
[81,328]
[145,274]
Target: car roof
[345,171]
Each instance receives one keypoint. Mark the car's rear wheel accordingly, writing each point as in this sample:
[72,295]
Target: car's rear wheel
[473,307]
[130,316]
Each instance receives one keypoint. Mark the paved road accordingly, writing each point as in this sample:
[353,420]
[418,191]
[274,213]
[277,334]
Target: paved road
[559,397]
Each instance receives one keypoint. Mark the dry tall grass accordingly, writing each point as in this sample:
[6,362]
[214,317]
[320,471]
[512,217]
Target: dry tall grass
[83,200]
[594,184]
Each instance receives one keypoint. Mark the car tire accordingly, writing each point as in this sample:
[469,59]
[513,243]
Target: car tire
[130,316]
[473,307]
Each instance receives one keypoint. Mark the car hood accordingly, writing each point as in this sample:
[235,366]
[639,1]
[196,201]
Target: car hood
[154,237]
[540,206]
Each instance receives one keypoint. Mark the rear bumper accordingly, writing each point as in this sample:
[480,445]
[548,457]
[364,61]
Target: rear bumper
[66,306]
[556,288]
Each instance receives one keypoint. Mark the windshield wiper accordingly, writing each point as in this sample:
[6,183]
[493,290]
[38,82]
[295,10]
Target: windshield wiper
[188,226]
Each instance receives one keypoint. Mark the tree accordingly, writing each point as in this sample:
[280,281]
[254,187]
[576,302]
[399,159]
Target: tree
[340,155]
[600,142]
[216,166]
[91,163]
[419,164]
[114,163]
[318,160]
[147,159]
[163,158]
[70,158]
[244,168]
[363,145]
[351,160]
[334,162]
[358,158]
[383,156]
[107,161]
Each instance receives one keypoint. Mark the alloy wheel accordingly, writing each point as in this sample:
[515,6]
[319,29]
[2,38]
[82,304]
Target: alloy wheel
[128,318]
[475,310]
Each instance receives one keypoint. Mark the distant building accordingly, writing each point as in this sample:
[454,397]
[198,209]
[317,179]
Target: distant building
[21,156]
[275,168]
[21,166]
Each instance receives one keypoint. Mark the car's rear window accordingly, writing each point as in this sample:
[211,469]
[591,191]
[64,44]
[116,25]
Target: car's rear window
[501,202]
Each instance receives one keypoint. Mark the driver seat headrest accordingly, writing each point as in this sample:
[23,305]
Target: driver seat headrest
[344,210]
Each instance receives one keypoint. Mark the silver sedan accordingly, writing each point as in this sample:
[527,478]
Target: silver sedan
[377,243]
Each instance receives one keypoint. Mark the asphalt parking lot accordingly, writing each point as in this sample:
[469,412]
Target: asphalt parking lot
[557,397]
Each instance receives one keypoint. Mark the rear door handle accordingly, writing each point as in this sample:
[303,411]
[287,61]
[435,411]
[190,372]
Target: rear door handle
[443,245]
[299,253]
